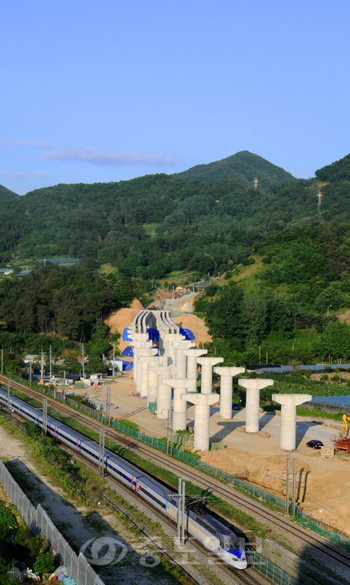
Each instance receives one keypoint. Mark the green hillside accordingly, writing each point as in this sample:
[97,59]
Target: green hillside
[284,260]
[285,298]
[6,193]
[337,171]
[242,167]
[153,225]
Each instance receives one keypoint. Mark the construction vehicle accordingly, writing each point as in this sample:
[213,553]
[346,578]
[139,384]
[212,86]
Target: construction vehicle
[343,442]
[345,423]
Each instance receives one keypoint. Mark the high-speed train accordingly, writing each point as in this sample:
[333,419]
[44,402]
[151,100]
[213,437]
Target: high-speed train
[207,530]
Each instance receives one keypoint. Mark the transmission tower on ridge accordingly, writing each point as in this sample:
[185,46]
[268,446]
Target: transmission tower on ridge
[256,181]
[319,197]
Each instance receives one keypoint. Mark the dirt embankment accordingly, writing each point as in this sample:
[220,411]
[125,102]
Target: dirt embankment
[322,493]
[118,320]
[196,324]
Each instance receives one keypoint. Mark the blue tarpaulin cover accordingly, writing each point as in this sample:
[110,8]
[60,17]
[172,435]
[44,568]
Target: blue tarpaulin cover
[187,333]
[126,365]
[153,334]
[126,334]
[128,351]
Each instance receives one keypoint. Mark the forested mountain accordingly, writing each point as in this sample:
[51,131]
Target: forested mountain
[153,225]
[337,171]
[6,193]
[285,298]
[242,167]
[285,255]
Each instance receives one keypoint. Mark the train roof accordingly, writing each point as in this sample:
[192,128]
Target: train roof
[129,467]
[218,527]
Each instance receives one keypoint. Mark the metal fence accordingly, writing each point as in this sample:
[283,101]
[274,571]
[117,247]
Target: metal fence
[265,495]
[39,522]
[269,570]
[323,530]
[188,458]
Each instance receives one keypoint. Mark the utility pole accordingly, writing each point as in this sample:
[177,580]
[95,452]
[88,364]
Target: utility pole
[30,373]
[171,433]
[287,485]
[45,416]
[167,433]
[42,366]
[294,483]
[108,406]
[50,363]
[8,395]
[64,385]
[113,357]
[183,513]
[101,453]
[179,510]
[2,361]
[82,359]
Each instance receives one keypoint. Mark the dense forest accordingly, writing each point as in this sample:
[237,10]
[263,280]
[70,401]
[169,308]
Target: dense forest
[153,225]
[285,256]
[62,307]
[242,167]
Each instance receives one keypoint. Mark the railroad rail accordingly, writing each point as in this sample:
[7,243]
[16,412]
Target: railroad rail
[230,495]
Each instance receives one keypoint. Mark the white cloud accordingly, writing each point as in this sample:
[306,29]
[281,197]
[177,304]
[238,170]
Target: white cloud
[31,143]
[39,174]
[22,176]
[112,157]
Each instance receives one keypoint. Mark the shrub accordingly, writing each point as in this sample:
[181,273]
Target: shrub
[7,522]
[129,423]
[43,563]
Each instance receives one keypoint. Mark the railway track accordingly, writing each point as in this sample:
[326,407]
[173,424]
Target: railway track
[201,479]
[239,577]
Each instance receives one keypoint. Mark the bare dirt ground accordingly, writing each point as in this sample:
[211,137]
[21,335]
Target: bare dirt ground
[195,324]
[118,320]
[323,484]
[343,375]
[345,317]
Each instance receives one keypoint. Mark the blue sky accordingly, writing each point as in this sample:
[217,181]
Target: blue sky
[106,91]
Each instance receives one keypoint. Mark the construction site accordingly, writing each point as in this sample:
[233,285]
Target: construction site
[248,443]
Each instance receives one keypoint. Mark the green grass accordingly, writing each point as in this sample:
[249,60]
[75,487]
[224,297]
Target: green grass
[107,269]
[318,413]
[150,229]
[129,423]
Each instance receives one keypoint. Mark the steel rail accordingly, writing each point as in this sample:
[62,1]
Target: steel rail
[202,479]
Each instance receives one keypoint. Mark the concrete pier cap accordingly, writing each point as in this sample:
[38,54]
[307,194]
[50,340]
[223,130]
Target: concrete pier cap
[192,356]
[181,360]
[289,403]
[180,406]
[164,391]
[207,364]
[170,349]
[202,404]
[253,387]
[226,374]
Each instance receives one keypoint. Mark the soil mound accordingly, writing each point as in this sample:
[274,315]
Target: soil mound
[196,324]
[322,494]
[118,320]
